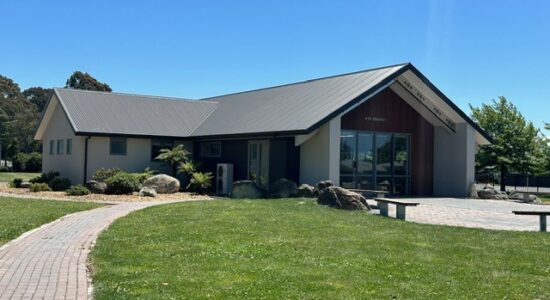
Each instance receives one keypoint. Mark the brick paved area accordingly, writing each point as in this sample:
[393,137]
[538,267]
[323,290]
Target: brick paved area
[50,262]
[488,214]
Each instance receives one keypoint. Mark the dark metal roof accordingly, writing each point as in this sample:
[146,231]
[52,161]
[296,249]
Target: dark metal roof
[293,107]
[113,113]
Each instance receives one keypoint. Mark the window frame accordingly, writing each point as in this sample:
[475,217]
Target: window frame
[52,147]
[118,139]
[204,153]
[60,146]
[69,147]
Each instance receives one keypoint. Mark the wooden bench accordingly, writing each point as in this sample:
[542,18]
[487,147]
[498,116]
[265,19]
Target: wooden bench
[378,194]
[401,206]
[542,215]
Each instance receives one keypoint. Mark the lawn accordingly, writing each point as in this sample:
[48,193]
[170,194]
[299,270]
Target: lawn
[9,176]
[545,198]
[20,215]
[297,249]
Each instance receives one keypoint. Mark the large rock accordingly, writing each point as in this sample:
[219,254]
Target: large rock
[472,193]
[147,192]
[25,185]
[341,198]
[162,184]
[491,193]
[525,197]
[283,188]
[96,187]
[306,191]
[246,189]
[321,185]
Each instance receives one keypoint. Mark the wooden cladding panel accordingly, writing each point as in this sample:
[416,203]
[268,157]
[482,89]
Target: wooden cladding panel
[387,112]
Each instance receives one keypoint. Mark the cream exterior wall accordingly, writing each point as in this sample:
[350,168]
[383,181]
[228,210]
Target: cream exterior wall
[68,165]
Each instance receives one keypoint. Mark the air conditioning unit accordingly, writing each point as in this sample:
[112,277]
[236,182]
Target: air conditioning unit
[224,179]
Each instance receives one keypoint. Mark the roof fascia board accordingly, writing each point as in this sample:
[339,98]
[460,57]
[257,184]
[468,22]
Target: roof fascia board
[450,103]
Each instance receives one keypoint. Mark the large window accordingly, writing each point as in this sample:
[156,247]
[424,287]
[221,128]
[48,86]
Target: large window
[69,146]
[211,149]
[375,161]
[118,146]
[158,144]
[60,146]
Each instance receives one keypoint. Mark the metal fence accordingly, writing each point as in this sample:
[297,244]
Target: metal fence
[517,181]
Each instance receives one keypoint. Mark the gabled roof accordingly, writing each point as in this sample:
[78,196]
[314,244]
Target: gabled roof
[297,108]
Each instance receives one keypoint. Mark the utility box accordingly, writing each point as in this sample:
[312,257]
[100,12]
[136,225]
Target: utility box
[224,179]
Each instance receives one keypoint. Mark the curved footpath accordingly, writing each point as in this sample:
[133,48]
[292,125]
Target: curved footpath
[50,262]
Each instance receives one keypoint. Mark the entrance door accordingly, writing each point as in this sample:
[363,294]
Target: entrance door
[375,161]
[258,162]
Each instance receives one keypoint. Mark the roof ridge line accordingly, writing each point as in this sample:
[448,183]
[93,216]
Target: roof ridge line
[306,81]
[135,95]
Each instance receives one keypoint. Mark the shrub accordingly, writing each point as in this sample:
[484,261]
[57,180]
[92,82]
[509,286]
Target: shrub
[144,175]
[59,184]
[45,177]
[122,183]
[78,190]
[16,183]
[28,162]
[102,175]
[4,169]
[200,182]
[39,187]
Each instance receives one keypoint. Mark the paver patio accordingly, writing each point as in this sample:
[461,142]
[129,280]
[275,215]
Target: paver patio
[488,214]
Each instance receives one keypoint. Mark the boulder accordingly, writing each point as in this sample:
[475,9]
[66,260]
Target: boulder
[283,188]
[96,187]
[162,184]
[321,185]
[25,184]
[472,193]
[147,192]
[525,197]
[491,193]
[341,198]
[246,189]
[306,191]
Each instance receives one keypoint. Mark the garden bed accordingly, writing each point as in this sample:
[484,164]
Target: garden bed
[6,190]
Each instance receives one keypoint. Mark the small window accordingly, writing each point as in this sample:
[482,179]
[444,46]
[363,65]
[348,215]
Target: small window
[60,146]
[211,149]
[158,144]
[52,147]
[69,146]
[118,146]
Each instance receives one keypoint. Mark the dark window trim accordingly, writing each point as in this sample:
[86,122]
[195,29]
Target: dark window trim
[60,146]
[125,146]
[202,152]
[69,146]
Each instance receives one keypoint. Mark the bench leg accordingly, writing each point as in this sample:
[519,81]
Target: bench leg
[401,212]
[383,208]
[542,222]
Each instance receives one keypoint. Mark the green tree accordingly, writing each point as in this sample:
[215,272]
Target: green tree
[84,81]
[516,143]
[174,157]
[38,96]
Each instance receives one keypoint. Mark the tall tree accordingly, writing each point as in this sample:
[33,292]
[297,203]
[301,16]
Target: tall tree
[516,145]
[38,96]
[84,81]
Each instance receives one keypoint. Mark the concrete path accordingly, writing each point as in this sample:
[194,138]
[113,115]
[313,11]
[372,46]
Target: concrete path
[50,262]
[488,214]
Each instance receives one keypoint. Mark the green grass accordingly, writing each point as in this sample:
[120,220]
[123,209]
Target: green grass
[9,176]
[20,215]
[297,249]
[544,197]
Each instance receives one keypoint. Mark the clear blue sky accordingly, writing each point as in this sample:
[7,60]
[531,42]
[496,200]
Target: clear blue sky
[474,51]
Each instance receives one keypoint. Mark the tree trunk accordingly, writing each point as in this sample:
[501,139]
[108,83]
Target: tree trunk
[503,178]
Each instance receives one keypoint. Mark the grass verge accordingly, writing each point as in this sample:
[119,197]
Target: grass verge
[9,176]
[20,215]
[297,249]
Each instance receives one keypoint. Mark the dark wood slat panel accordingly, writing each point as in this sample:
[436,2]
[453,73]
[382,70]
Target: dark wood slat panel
[387,112]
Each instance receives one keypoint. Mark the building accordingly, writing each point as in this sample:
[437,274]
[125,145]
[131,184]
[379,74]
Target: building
[387,128]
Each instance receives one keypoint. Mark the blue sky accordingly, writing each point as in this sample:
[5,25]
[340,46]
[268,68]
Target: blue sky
[474,51]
